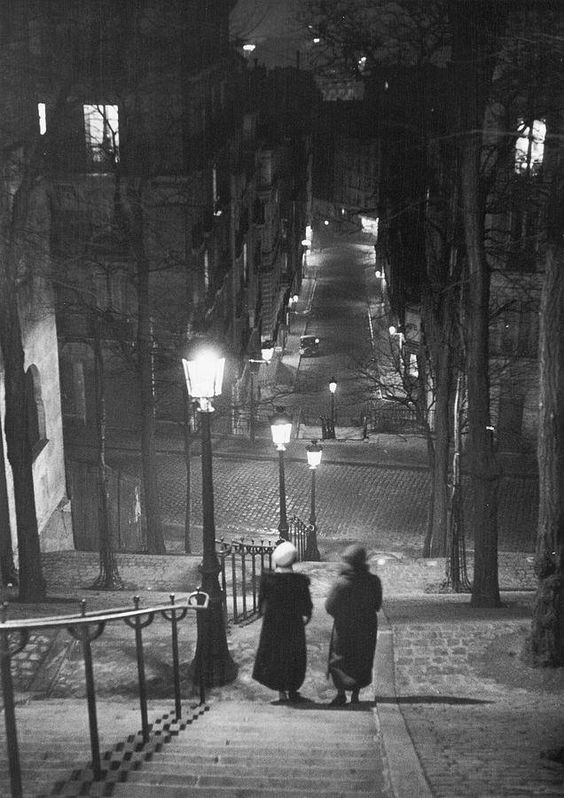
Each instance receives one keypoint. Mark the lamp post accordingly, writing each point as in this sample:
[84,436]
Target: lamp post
[332,389]
[292,302]
[266,352]
[281,428]
[314,452]
[203,370]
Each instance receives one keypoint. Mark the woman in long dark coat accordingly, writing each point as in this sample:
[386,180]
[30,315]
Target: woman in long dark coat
[285,602]
[353,601]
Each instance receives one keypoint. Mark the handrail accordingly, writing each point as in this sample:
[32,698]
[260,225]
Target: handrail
[108,615]
[86,627]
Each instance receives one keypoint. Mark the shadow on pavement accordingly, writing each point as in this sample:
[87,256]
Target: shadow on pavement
[306,703]
[430,699]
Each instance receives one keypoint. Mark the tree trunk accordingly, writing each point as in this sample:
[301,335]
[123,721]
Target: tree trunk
[547,631]
[484,470]
[441,460]
[155,537]
[476,29]
[14,219]
[109,577]
[8,573]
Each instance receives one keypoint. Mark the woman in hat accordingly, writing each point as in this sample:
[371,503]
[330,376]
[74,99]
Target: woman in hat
[353,601]
[285,603]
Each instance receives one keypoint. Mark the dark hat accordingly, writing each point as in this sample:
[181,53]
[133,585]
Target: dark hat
[355,556]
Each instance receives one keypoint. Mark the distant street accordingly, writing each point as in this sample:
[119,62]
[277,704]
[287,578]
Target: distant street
[345,286]
[374,490]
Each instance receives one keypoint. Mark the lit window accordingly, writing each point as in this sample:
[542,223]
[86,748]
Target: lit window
[206,270]
[102,133]
[42,113]
[529,147]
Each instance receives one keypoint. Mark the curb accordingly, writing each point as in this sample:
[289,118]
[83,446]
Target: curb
[406,775]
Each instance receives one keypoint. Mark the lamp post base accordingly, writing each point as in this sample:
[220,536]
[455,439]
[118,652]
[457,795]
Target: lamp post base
[212,664]
[311,553]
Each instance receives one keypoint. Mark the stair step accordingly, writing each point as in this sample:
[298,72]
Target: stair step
[246,781]
[285,759]
[148,791]
[324,770]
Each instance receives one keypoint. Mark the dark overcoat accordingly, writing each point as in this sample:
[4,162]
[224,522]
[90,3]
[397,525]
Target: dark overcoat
[284,601]
[353,601]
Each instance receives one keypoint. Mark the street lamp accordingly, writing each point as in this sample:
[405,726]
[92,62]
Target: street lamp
[203,370]
[266,353]
[332,389]
[314,452]
[281,428]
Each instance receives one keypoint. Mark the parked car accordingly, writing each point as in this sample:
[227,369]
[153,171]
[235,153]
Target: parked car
[309,345]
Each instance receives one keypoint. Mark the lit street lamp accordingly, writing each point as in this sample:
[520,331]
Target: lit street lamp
[203,370]
[266,352]
[332,389]
[314,452]
[281,428]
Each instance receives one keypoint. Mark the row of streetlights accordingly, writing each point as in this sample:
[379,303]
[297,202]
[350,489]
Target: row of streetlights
[281,429]
[203,371]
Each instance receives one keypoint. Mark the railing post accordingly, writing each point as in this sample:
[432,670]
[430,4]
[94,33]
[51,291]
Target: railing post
[244,579]
[254,574]
[138,626]
[234,584]
[83,634]
[91,702]
[175,659]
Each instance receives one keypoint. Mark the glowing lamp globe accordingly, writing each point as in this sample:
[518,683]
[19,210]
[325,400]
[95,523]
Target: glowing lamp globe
[314,452]
[203,371]
[281,428]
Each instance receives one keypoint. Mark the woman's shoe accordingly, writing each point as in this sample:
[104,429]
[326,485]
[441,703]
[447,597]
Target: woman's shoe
[339,700]
[354,697]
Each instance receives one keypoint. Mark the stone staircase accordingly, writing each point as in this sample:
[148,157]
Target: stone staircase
[244,749]
[234,749]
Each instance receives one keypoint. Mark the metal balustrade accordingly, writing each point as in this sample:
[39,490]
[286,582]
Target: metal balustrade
[242,563]
[86,627]
[298,533]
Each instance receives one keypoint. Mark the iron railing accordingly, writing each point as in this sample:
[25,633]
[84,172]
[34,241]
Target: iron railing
[242,563]
[298,533]
[87,627]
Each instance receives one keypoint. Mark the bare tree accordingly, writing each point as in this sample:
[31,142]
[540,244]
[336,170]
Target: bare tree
[16,208]
[547,635]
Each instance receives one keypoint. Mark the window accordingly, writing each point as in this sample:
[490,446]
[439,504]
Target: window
[245,264]
[35,412]
[42,114]
[73,390]
[529,147]
[101,128]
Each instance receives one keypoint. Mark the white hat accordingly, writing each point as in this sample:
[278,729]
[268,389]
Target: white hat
[284,554]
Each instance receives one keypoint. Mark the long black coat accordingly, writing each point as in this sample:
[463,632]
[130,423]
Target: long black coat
[284,600]
[353,601]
